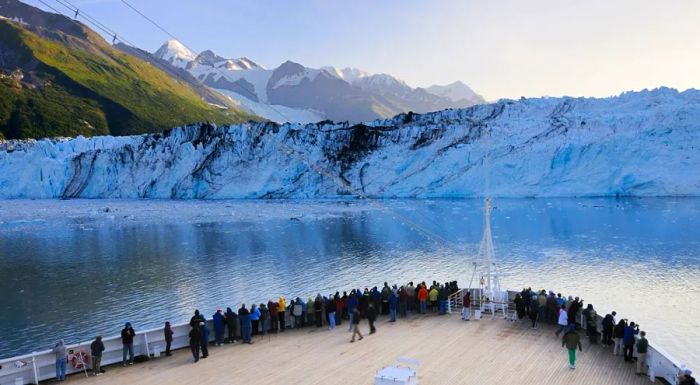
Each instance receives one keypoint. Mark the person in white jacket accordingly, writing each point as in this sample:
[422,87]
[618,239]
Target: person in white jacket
[563,320]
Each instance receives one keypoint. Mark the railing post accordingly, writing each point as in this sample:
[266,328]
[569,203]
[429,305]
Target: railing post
[145,337]
[36,373]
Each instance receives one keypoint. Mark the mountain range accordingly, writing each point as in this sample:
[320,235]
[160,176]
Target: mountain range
[637,144]
[293,92]
[60,78]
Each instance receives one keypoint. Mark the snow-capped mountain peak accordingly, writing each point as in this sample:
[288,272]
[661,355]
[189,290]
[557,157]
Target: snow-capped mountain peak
[456,92]
[175,53]
[350,75]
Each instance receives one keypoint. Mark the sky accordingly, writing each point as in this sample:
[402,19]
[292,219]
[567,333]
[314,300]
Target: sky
[500,48]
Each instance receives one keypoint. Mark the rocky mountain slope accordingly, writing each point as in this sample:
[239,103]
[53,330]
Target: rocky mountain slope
[60,78]
[637,144]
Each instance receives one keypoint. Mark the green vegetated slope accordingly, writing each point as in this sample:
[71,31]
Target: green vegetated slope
[59,84]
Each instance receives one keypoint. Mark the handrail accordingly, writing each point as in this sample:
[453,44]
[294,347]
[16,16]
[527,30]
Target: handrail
[39,366]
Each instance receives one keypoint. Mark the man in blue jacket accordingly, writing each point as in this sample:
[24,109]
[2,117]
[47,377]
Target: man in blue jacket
[205,338]
[628,340]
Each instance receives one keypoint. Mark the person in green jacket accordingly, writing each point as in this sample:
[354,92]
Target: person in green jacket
[572,340]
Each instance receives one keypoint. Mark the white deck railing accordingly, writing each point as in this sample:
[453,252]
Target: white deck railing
[661,363]
[39,366]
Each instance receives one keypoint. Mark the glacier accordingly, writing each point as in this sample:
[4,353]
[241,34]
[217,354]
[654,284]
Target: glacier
[642,143]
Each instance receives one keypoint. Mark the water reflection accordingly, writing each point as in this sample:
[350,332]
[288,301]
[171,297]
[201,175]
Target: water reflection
[86,271]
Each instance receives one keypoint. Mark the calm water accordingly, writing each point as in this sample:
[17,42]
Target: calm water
[73,269]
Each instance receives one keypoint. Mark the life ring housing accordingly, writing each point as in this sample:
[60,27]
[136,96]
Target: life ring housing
[80,360]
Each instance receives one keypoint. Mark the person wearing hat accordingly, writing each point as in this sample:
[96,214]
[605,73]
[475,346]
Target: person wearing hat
[572,340]
[96,349]
[128,334]
[685,377]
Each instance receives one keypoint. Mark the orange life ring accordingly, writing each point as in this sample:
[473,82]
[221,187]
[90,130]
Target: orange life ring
[77,362]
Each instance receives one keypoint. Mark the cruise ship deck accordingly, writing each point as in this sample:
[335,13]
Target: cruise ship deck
[451,351]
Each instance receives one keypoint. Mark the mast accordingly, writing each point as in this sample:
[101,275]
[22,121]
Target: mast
[486,251]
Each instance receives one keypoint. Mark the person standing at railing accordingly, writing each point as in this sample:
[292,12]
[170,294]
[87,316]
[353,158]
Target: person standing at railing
[466,305]
[195,341]
[393,302]
[309,311]
[168,335]
[608,326]
[128,334]
[264,318]
[642,348]
[60,351]
[219,327]
[433,295]
[542,306]
[403,302]
[231,324]
[422,298]
[519,305]
[281,308]
[274,315]
[443,294]
[204,342]
[196,319]
[254,319]
[246,325]
[330,312]
[412,300]
[628,339]
[96,349]
[618,335]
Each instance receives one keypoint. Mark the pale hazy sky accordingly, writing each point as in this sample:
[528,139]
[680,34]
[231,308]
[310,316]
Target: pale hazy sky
[501,48]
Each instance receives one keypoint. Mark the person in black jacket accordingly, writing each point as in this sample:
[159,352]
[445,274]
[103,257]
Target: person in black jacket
[128,334]
[608,325]
[196,319]
[168,334]
[195,342]
[96,349]
[371,317]
[318,311]
[231,321]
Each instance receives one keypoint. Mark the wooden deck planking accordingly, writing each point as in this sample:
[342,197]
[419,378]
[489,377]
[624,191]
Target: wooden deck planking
[451,351]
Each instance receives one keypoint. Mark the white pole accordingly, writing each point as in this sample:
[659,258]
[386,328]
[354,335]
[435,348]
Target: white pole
[36,374]
[145,337]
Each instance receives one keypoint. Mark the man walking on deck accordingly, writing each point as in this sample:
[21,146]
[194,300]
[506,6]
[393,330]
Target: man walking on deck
[371,317]
[195,341]
[572,340]
[355,320]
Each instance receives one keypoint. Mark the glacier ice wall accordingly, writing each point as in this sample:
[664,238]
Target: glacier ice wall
[637,144]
